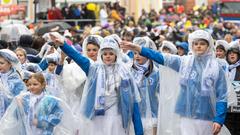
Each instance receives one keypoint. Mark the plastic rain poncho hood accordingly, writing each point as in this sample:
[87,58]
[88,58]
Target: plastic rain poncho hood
[195,92]
[53,114]
[170,46]
[97,84]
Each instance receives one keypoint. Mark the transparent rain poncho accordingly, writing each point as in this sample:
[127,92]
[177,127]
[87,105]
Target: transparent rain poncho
[12,58]
[193,93]
[5,99]
[108,97]
[148,87]
[170,46]
[54,116]
[54,86]
[12,32]
[125,58]
[74,74]
[91,39]
[145,42]
[10,82]
[223,43]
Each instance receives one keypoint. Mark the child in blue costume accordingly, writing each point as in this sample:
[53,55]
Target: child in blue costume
[221,52]
[36,113]
[109,101]
[146,75]
[10,80]
[233,116]
[202,99]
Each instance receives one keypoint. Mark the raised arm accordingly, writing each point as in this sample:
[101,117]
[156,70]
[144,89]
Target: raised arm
[171,61]
[146,52]
[82,61]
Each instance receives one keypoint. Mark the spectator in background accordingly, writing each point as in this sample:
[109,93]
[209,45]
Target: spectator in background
[26,42]
[103,16]
[90,14]
[228,38]
[182,48]
[219,31]
[3,44]
[237,35]
[115,15]
[38,42]
[180,9]
[54,13]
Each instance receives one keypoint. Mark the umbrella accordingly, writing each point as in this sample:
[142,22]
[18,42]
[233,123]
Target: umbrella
[9,22]
[12,32]
[53,26]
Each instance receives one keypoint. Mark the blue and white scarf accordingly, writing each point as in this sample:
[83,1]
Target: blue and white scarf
[209,75]
[142,68]
[232,66]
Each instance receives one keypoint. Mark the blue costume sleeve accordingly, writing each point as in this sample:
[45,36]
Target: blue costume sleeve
[50,120]
[15,84]
[153,55]
[43,64]
[221,97]
[172,61]
[136,118]
[33,58]
[130,54]
[82,61]
[59,69]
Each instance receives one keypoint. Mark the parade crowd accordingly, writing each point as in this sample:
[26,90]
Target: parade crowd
[175,72]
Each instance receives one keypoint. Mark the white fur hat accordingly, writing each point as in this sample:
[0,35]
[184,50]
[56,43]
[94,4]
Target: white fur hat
[170,45]
[223,43]
[145,42]
[201,34]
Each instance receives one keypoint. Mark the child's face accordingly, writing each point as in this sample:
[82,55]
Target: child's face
[200,47]
[109,56]
[5,66]
[166,50]
[92,51]
[34,86]
[220,53]
[232,57]
[127,38]
[140,59]
[51,67]
[228,38]
[21,56]
[180,51]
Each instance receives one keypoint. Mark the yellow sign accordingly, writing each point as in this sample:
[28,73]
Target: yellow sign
[6,1]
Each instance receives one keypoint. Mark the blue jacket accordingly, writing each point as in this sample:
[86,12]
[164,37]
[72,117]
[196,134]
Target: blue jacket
[14,82]
[200,108]
[125,106]
[150,83]
[44,65]
[49,113]
[130,54]
[4,103]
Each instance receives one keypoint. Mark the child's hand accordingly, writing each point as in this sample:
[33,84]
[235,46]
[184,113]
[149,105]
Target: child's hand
[19,101]
[216,128]
[57,38]
[35,122]
[51,50]
[125,45]
[63,56]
